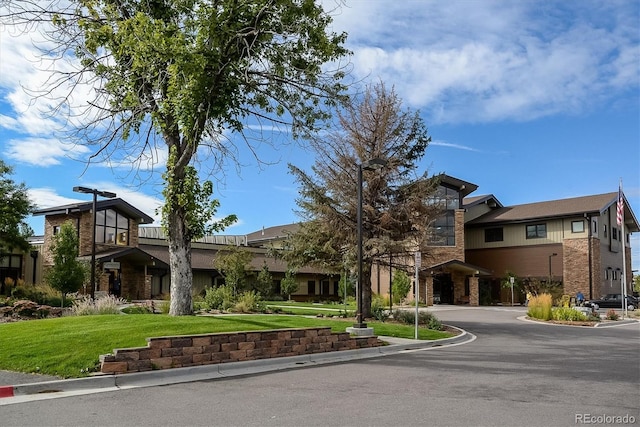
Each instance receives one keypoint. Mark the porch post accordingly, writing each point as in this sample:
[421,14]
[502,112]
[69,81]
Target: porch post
[474,291]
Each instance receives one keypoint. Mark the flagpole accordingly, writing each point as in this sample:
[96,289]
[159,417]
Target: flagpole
[623,238]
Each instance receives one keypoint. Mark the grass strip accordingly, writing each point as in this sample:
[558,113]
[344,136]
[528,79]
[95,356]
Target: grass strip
[70,347]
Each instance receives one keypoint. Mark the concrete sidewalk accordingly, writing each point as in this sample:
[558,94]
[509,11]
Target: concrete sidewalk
[98,383]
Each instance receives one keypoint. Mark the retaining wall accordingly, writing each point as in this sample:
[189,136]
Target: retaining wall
[193,350]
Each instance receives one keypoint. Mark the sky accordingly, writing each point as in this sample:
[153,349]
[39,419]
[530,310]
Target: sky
[529,100]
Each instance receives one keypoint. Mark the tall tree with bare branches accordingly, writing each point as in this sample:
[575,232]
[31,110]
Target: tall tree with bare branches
[396,208]
[180,76]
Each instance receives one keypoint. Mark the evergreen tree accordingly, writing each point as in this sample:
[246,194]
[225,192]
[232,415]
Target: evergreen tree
[67,273]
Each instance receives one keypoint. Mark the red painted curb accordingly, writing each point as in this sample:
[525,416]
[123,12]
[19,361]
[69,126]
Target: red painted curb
[6,391]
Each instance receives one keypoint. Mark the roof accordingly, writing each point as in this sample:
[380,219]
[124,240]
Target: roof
[456,264]
[272,233]
[202,259]
[132,254]
[117,204]
[489,199]
[577,206]
[463,187]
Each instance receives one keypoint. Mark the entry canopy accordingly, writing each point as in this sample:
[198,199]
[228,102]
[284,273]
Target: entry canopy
[457,265]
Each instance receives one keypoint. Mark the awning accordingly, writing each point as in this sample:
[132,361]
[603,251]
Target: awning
[127,254]
[457,265]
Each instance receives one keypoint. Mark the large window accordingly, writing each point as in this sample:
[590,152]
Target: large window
[493,234]
[536,231]
[444,229]
[112,228]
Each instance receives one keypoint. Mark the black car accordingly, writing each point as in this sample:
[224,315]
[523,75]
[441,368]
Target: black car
[615,301]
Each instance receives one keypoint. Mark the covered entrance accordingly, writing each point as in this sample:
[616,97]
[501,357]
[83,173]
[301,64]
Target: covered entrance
[442,289]
[454,282]
[127,272]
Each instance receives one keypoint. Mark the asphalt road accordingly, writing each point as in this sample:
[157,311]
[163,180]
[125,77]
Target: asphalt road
[515,373]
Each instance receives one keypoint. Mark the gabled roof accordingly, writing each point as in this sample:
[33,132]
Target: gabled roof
[577,206]
[489,199]
[456,264]
[272,233]
[117,204]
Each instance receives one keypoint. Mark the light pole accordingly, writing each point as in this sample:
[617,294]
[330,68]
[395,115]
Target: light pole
[370,165]
[552,255]
[95,193]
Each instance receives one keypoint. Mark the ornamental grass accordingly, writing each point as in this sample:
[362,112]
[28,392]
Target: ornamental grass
[540,307]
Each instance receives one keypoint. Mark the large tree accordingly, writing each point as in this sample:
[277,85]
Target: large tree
[14,209]
[396,202]
[187,74]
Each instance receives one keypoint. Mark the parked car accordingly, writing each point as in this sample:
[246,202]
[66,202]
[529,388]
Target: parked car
[615,301]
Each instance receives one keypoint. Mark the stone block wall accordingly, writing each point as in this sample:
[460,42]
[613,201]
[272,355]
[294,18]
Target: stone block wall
[183,351]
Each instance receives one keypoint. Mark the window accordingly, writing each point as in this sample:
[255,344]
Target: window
[614,233]
[112,228]
[577,226]
[536,231]
[605,231]
[311,287]
[10,267]
[493,234]
[444,230]
[56,229]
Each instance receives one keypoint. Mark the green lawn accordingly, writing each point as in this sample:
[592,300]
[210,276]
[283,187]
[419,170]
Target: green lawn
[71,346]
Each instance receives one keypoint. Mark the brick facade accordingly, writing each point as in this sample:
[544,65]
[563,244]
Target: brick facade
[183,351]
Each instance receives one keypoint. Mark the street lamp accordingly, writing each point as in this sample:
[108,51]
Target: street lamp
[369,165]
[552,255]
[95,193]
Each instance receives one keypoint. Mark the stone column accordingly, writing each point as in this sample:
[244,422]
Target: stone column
[474,291]
[429,288]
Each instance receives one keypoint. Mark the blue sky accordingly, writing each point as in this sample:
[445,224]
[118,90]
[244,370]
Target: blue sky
[529,100]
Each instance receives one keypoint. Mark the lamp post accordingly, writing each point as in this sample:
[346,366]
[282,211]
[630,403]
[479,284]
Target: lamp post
[372,164]
[95,193]
[552,255]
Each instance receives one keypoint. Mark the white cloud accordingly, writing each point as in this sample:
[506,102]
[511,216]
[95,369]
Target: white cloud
[490,61]
[40,151]
[46,197]
[451,145]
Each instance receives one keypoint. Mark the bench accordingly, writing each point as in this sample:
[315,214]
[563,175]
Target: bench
[463,300]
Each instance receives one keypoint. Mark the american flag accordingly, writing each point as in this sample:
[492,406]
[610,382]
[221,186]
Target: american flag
[620,205]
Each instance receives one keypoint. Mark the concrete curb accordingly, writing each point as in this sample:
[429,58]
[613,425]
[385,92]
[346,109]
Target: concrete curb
[223,370]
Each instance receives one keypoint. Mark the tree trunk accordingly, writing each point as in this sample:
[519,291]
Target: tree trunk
[180,265]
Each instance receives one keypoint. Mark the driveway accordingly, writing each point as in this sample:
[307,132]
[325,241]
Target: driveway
[514,373]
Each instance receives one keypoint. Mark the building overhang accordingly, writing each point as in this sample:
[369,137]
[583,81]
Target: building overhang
[457,265]
[134,256]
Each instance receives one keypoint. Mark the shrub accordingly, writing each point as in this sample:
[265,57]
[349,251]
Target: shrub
[540,307]
[378,308]
[220,298]
[249,302]
[424,318]
[612,315]
[568,314]
[105,305]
